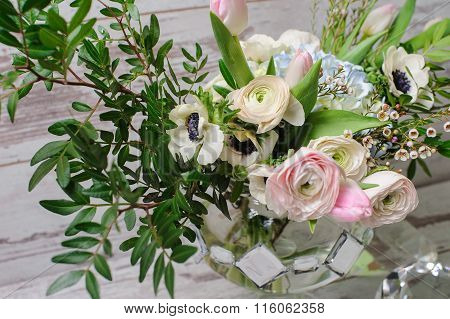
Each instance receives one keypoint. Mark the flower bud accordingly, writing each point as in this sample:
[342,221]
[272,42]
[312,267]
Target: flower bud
[298,68]
[233,13]
[379,19]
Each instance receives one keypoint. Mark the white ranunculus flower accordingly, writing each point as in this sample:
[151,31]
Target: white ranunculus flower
[300,40]
[393,198]
[347,153]
[194,131]
[260,48]
[265,101]
[406,73]
[245,149]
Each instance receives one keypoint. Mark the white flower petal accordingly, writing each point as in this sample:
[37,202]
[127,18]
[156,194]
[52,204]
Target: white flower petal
[294,114]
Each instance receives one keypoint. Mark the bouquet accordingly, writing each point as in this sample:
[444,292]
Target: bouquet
[289,132]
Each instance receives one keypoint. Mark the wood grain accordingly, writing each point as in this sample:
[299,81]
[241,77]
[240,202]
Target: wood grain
[29,236]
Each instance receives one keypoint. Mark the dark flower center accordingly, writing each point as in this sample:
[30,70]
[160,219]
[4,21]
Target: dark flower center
[192,126]
[246,147]
[401,81]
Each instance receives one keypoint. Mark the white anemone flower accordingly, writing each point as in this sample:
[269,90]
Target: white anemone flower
[406,73]
[245,149]
[193,132]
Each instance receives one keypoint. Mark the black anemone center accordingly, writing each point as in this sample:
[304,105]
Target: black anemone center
[401,81]
[192,126]
[246,147]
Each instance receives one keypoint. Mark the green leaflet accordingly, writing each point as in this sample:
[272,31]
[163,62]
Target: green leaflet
[397,29]
[418,42]
[306,91]
[357,54]
[231,51]
[335,122]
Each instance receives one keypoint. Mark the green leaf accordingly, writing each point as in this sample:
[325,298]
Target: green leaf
[158,272]
[63,171]
[355,31]
[411,169]
[102,267]
[38,4]
[128,244]
[73,257]
[182,202]
[130,219]
[81,242]
[169,279]
[397,29]
[359,52]
[139,247]
[226,74]
[41,172]
[9,23]
[312,225]
[424,167]
[83,10]
[109,216]
[50,38]
[271,69]
[12,105]
[133,11]
[90,227]
[8,39]
[335,122]
[418,42]
[83,216]
[92,285]
[81,107]
[367,185]
[182,253]
[7,8]
[146,261]
[48,150]
[65,281]
[56,22]
[231,51]
[80,33]
[306,91]
[61,206]
[154,30]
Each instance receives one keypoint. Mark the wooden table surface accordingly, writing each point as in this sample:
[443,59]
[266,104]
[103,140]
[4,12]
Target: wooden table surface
[29,235]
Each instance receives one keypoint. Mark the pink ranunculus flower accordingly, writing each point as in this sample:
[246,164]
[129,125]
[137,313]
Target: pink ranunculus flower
[233,13]
[298,68]
[305,186]
[352,203]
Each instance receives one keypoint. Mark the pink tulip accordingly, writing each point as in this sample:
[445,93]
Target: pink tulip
[379,19]
[352,204]
[233,13]
[298,68]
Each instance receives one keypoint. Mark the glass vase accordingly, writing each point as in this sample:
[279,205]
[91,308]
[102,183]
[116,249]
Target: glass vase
[279,256]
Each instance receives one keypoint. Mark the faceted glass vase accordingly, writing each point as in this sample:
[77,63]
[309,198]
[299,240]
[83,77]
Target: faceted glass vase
[280,256]
[335,260]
